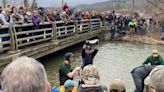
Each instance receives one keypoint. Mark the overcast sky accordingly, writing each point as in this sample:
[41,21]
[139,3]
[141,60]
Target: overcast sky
[70,2]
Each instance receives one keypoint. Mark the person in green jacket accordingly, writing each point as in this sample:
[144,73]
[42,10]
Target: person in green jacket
[154,59]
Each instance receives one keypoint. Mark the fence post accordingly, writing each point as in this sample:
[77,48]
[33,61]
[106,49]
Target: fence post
[76,27]
[100,23]
[54,29]
[15,36]
[12,41]
[90,24]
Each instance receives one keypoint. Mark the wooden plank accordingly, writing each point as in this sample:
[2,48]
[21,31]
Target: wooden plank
[95,19]
[62,27]
[4,27]
[86,20]
[4,35]
[5,48]
[33,31]
[30,24]
[70,26]
[5,42]
[71,30]
[32,42]
[95,26]
[95,23]
[33,37]
[85,24]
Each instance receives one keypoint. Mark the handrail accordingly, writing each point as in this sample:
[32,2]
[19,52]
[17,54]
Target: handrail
[21,35]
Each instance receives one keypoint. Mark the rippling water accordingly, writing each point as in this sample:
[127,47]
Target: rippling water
[114,60]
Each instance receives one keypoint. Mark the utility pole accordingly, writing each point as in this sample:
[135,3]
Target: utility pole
[4,3]
[26,3]
[62,5]
[133,6]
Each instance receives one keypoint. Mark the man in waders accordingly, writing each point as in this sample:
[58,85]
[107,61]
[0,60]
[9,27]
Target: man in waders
[65,71]
[154,59]
[87,53]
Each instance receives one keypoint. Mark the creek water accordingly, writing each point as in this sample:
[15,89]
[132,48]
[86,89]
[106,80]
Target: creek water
[114,60]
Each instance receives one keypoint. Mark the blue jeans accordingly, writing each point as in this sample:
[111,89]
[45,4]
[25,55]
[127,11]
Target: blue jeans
[112,34]
[4,38]
[139,82]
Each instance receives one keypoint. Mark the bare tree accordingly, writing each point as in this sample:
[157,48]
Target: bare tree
[34,5]
[157,3]
[26,3]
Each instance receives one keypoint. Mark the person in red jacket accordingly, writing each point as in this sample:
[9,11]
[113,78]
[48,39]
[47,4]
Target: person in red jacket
[65,6]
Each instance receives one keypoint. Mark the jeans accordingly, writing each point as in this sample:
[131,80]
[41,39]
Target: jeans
[112,34]
[139,82]
[3,39]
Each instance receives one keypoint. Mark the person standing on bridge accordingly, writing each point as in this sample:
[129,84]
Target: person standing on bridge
[154,59]
[65,70]
[87,53]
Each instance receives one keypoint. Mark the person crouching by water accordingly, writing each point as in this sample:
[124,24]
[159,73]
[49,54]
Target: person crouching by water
[154,59]
[66,72]
[88,54]
[139,74]
[91,78]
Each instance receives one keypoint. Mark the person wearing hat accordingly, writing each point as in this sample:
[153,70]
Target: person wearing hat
[117,85]
[155,80]
[65,71]
[91,78]
[154,59]
[69,86]
[88,54]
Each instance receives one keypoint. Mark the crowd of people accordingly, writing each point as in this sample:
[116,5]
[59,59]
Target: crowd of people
[25,15]
[118,23]
[28,75]
[136,24]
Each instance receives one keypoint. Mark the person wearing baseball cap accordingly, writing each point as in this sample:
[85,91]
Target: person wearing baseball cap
[91,78]
[154,59]
[155,80]
[69,86]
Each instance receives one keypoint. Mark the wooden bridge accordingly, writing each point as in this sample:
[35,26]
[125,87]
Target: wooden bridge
[43,39]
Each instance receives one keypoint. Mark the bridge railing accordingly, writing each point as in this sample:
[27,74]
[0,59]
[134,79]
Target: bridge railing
[6,34]
[28,34]
[15,37]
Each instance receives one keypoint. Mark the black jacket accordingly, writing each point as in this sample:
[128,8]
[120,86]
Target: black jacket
[90,89]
